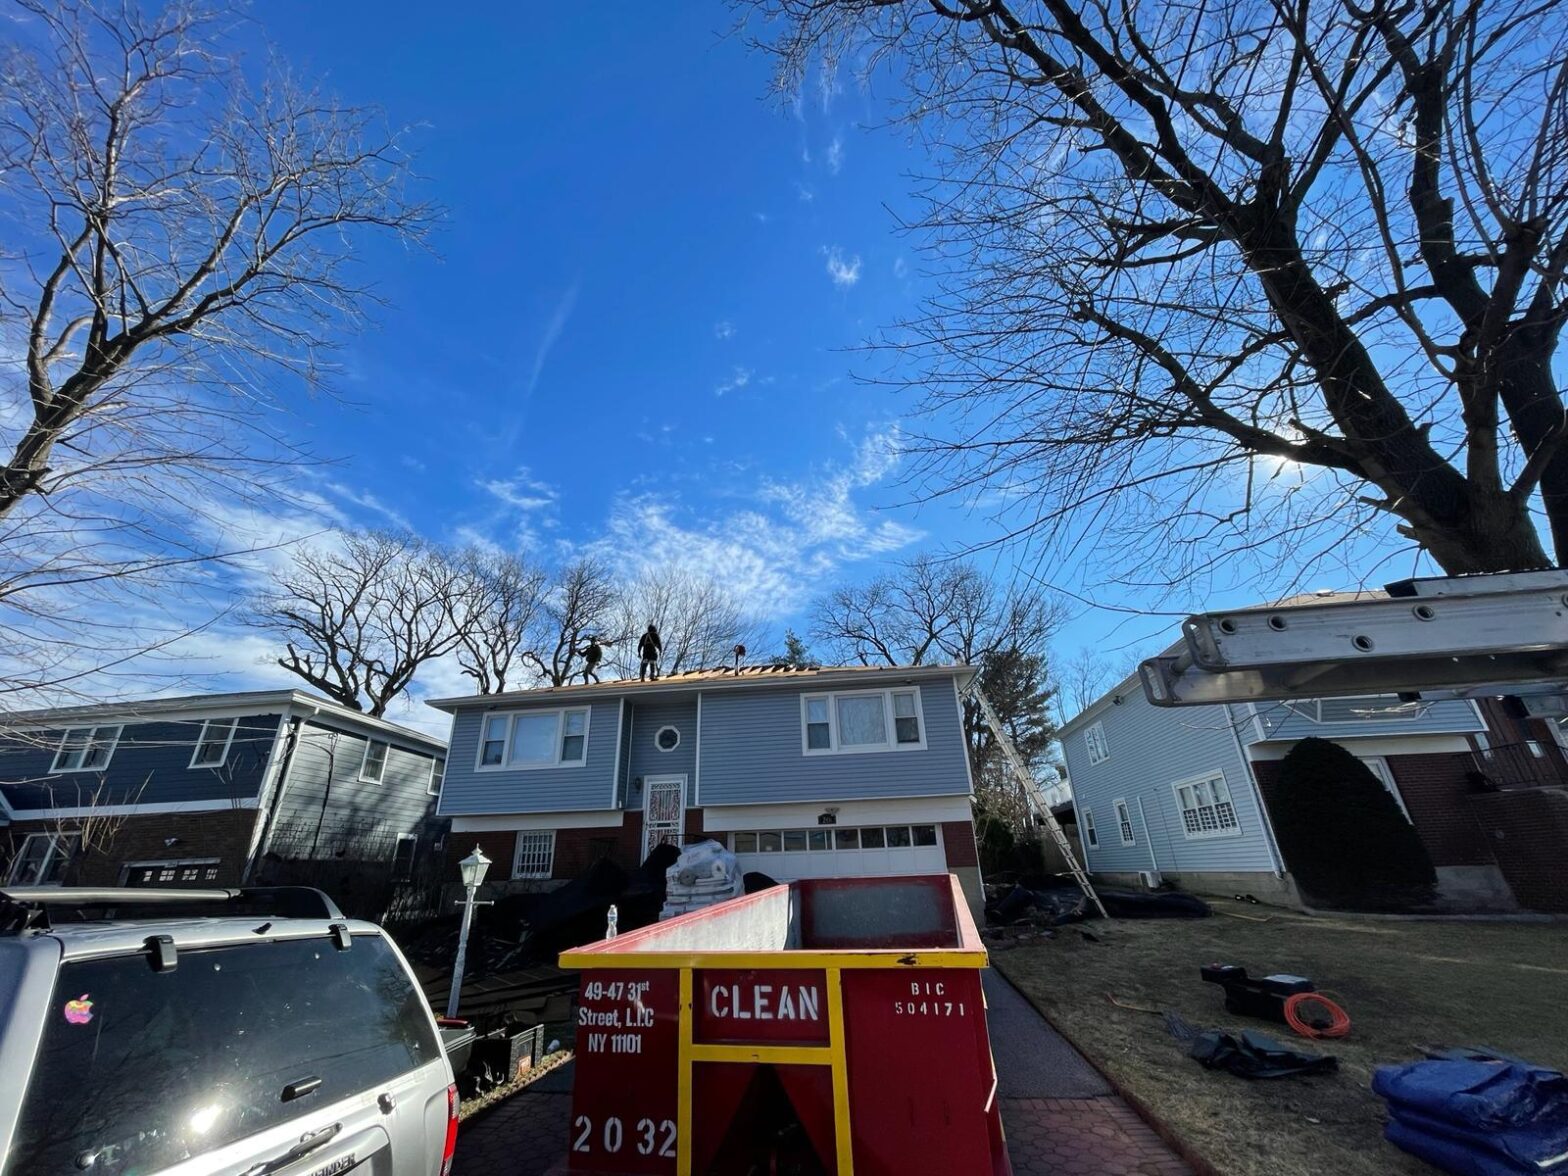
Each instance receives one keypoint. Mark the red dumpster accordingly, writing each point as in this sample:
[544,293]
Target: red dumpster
[833,1026]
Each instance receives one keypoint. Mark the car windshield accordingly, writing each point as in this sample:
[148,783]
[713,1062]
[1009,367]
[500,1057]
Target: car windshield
[140,1069]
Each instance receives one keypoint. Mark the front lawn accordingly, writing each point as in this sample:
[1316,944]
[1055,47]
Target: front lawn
[1403,983]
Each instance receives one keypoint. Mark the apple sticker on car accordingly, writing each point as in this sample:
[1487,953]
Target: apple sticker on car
[79,1011]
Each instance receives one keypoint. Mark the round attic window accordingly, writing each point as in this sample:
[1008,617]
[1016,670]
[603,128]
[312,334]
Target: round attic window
[668,739]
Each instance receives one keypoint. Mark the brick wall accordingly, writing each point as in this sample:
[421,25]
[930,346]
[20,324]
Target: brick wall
[224,834]
[1436,790]
[959,839]
[1528,829]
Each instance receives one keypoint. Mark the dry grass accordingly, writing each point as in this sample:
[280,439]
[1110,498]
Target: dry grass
[1403,984]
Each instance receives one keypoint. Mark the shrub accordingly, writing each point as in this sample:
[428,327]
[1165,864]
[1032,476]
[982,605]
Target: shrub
[1343,835]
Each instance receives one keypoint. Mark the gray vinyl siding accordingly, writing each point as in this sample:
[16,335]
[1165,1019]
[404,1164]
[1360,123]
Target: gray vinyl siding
[1448,716]
[543,790]
[150,766]
[645,759]
[1151,749]
[325,768]
[751,753]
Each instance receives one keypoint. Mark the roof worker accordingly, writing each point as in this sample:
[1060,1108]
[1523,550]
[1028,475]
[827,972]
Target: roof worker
[650,649]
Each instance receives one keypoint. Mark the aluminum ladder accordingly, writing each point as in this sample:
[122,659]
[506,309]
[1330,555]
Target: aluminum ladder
[1035,796]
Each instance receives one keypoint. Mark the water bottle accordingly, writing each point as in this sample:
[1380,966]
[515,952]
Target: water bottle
[611,922]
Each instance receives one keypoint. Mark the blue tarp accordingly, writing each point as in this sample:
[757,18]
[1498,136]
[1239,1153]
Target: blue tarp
[1478,1118]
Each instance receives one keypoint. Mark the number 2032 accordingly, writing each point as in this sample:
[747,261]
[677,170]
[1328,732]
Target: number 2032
[648,1137]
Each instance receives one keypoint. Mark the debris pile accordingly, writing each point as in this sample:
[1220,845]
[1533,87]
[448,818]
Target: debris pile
[704,874]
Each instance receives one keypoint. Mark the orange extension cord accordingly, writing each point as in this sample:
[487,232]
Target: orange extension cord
[1339,1020]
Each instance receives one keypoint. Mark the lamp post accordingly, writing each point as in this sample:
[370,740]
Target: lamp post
[472,870]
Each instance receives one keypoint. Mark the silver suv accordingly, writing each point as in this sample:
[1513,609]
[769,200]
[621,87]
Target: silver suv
[221,1032]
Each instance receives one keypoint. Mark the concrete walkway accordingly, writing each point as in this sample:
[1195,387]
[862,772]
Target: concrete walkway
[1060,1117]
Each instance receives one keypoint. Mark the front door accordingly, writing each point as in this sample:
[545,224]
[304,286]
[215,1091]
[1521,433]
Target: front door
[664,811]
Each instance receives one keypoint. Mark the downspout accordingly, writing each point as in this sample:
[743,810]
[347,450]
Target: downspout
[1154,862]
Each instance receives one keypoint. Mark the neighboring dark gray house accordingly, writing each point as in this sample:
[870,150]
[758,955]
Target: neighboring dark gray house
[217,789]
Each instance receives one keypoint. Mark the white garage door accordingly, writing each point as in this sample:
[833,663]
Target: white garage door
[840,852]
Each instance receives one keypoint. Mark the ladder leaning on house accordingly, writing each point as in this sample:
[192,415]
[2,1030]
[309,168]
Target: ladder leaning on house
[1034,794]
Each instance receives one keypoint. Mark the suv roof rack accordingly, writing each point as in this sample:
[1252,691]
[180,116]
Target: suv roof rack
[25,908]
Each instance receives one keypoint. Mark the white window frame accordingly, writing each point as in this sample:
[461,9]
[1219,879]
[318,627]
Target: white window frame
[1230,799]
[1091,835]
[505,765]
[396,844]
[1095,743]
[54,840]
[657,746]
[889,719]
[1124,826]
[94,738]
[538,873]
[1378,766]
[201,740]
[433,784]
[365,759]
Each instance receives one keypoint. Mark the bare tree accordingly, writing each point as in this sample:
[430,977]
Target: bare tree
[359,617]
[1237,277]
[699,620]
[181,244]
[1081,679]
[930,609]
[507,599]
[580,605]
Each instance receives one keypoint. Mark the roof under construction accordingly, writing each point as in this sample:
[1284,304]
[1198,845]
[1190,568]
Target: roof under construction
[721,677]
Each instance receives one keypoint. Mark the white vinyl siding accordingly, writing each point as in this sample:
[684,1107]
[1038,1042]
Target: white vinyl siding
[535,856]
[1094,742]
[85,749]
[1206,807]
[861,721]
[528,740]
[1123,822]
[212,745]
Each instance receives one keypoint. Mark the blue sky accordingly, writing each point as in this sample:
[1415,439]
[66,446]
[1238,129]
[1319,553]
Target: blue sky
[638,319]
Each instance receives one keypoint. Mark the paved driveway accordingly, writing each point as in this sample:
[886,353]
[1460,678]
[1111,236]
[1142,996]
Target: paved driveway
[1060,1117]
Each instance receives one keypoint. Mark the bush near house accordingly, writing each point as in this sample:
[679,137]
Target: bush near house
[1343,835]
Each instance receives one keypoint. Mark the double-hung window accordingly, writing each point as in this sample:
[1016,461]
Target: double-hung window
[1124,822]
[212,745]
[437,774]
[403,851]
[1089,833]
[85,749]
[1206,808]
[535,739]
[43,859]
[862,720]
[535,854]
[374,766]
[1094,742]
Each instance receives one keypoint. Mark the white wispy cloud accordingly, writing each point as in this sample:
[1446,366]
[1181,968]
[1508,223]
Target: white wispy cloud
[900,267]
[552,334]
[776,549]
[739,378]
[835,156]
[724,329]
[803,193]
[408,461]
[845,271]
[526,507]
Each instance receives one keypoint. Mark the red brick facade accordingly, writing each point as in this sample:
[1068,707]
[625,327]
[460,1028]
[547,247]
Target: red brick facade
[113,841]
[1529,827]
[958,838]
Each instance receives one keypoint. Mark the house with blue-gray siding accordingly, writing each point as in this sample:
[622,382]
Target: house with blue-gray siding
[218,789]
[1181,794]
[802,772]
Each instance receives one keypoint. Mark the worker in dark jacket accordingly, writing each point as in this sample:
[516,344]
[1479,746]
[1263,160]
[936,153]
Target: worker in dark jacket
[592,654]
[650,649]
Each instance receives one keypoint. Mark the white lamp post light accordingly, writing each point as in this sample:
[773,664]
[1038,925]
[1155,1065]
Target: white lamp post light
[472,870]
